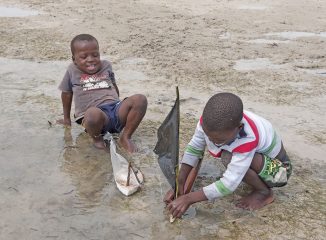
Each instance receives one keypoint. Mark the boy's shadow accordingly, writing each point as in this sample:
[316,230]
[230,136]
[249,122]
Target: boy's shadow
[90,169]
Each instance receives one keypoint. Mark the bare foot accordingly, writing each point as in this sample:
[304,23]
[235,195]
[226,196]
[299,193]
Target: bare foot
[256,200]
[127,144]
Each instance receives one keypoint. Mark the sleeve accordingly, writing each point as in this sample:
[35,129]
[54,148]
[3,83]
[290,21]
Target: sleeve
[232,177]
[195,148]
[111,73]
[112,76]
[66,85]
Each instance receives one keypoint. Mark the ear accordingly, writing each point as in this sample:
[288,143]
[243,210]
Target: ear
[73,58]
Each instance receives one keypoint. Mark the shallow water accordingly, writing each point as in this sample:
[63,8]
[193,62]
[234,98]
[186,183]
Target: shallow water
[318,72]
[60,187]
[267,41]
[294,35]
[16,12]
[133,61]
[255,64]
[131,70]
[130,75]
[252,7]
[225,35]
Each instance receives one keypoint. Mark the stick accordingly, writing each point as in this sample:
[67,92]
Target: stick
[128,177]
[135,172]
[189,183]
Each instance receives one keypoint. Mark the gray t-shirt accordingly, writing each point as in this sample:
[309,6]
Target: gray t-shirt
[89,90]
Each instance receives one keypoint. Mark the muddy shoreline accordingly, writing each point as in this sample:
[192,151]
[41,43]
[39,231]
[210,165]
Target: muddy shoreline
[55,185]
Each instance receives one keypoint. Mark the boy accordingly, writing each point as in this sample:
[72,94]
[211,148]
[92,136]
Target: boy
[90,81]
[247,145]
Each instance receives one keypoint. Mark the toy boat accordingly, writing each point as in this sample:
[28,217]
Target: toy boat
[127,178]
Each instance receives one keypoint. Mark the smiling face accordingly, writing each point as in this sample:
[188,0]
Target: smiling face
[86,56]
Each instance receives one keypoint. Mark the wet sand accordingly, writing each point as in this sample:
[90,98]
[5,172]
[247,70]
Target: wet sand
[55,185]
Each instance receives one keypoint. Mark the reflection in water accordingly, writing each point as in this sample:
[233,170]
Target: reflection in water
[89,168]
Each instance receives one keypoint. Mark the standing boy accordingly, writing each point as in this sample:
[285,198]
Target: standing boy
[91,83]
[248,146]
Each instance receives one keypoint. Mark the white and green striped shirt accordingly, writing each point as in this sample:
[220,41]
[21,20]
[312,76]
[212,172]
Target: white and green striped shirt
[257,135]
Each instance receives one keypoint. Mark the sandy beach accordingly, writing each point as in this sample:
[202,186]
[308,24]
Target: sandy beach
[55,185]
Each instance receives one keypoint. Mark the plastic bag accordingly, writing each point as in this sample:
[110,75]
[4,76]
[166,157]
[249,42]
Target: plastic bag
[121,167]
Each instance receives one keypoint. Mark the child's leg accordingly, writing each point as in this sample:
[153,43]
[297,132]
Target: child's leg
[131,112]
[94,121]
[261,194]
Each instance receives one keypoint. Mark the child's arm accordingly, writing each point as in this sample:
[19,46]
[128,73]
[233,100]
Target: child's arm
[66,98]
[193,153]
[182,178]
[185,199]
[231,179]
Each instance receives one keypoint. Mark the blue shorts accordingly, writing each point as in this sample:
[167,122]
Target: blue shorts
[111,111]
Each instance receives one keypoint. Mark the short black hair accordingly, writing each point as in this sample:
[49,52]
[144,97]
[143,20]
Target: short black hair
[223,111]
[81,37]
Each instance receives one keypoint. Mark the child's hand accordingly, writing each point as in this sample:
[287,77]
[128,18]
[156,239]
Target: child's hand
[180,205]
[169,196]
[65,122]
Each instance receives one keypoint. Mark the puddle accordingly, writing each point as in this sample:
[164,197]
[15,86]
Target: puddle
[90,170]
[16,12]
[133,61]
[130,75]
[40,78]
[255,64]
[64,185]
[295,35]
[319,72]
[128,69]
[252,7]
[267,41]
[225,35]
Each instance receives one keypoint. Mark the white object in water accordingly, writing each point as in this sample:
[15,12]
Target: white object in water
[120,172]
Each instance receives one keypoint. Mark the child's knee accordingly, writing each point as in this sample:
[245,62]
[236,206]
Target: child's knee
[93,117]
[141,100]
